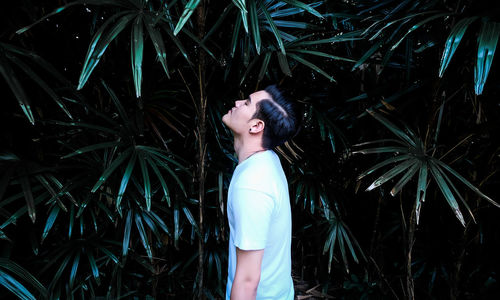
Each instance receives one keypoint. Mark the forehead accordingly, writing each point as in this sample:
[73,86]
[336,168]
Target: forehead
[259,95]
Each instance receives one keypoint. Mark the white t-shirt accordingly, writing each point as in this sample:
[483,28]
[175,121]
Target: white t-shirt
[258,209]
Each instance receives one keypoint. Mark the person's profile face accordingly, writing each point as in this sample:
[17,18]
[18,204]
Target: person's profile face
[238,118]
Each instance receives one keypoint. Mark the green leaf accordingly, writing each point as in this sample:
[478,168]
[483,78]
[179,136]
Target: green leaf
[100,42]
[15,287]
[93,265]
[188,10]
[391,173]
[285,68]
[406,177]
[159,45]
[311,65]
[28,195]
[421,188]
[236,33]
[487,39]
[117,162]
[388,149]
[416,26]
[383,164]
[125,179]
[456,34]
[50,221]
[16,88]
[322,54]
[143,235]
[393,128]
[7,264]
[126,233]
[74,269]
[263,68]
[161,179]
[448,195]
[254,24]
[92,148]
[146,181]
[273,28]
[367,54]
[136,52]
[305,7]
[465,181]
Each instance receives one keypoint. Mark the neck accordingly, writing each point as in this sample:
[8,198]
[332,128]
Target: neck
[245,149]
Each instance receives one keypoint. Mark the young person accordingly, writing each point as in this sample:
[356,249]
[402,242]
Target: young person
[258,206]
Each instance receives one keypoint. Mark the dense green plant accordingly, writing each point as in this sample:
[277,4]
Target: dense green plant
[121,192]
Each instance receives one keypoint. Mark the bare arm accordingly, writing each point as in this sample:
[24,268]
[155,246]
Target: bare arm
[247,275]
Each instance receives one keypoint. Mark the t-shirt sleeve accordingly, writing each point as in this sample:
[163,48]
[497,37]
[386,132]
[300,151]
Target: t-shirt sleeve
[252,211]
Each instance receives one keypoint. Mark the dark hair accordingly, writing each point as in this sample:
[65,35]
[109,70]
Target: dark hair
[279,116]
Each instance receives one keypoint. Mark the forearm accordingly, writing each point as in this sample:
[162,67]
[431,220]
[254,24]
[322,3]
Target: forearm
[244,290]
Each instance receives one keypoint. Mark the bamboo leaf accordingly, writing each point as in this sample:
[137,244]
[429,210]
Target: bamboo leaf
[254,24]
[126,233]
[100,43]
[143,235]
[406,177]
[367,54]
[311,65]
[22,273]
[383,164]
[274,29]
[136,52]
[118,161]
[487,39]
[387,149]
[285,68]
[305,7]
[421,188]
[28,195]
[50,221]
[146,181]
[159,45]
[74,269]
[265,63]
[15,287]
[391,173]
[236,33]
[93,265]
[393,128]
[125,179]
[416,26]
[452,42]
[188,10]
[443,186]
[92,148]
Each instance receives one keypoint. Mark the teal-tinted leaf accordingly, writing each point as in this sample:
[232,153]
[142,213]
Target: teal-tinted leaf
[161,179]
[92,148]
[393,128]
[383,164]
[45,17]
[15,287]
[236,33]
[16,88]
[349,244]
[42,84]
[342,248]
[283,62]
[126,233]
[136,52]
[146,181]
[310,65]
[391,173]
[176,41]
[159,45]
[50,221]
[421,188]
[22,273]
[143,235]
[294,24]
[321,54]
[109,254]
[151,224]
[304,6]
[126,178]
[274,29]
[176,225]
[60,270]
[254,24]
[190,218]
[406,177]
[448,195]
[265,63]
[93,265]
[416,26]
[199,42]
[118,161]
[456,34]
[487,39]
[71,221]
[13,218]
[454,189]
[388,149]
[367,54]
[118,105]
[465,181]
[100,42]
[219,21]
[74,269]
[28,195]
[188,10]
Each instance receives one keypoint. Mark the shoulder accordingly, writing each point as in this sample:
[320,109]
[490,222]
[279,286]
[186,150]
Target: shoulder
[260,172]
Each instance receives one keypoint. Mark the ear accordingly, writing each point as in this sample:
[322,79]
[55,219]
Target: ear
[257,126]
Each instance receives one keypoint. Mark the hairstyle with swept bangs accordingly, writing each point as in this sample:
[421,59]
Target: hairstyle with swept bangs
[279,116]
